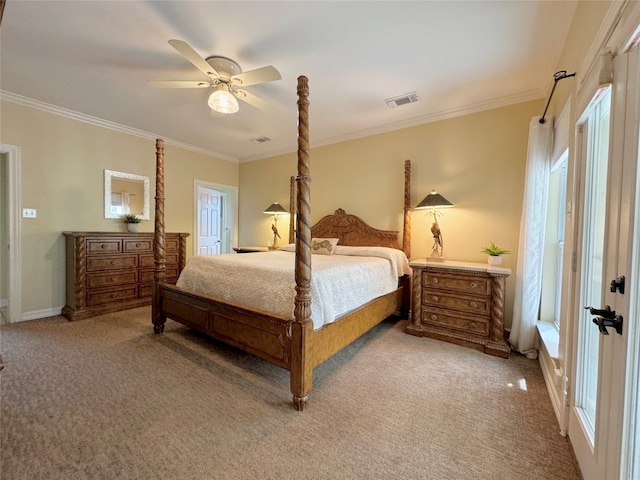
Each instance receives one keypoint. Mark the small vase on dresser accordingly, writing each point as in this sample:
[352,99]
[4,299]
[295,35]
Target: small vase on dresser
[461,303]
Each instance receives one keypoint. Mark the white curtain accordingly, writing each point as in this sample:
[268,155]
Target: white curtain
[532,230]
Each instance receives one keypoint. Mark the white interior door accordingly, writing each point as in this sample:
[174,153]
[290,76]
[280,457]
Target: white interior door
[210,207]
[607,155]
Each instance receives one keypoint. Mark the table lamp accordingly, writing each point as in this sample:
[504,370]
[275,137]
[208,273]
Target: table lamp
[275,209]
[434,201]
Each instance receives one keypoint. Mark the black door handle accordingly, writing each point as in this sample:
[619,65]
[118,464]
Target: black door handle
[606,312]
[618,284]
[606,318]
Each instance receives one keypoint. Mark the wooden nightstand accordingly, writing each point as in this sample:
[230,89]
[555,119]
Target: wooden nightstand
[461,303]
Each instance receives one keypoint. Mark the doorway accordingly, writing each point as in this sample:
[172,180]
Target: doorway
[11,257]
[215,218]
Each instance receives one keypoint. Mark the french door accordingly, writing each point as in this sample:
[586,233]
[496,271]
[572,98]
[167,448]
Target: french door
[607,157]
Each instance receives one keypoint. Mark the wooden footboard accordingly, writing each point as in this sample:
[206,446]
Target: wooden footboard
[259,333]
[269,336]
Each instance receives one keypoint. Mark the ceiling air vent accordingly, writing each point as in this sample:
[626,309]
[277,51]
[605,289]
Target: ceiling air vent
[261,140]
[402,100]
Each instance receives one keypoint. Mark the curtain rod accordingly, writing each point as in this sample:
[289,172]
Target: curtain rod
[556,78]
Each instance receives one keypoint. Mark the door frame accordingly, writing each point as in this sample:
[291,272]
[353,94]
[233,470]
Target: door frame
[14,206]
[615,38]
[229,215]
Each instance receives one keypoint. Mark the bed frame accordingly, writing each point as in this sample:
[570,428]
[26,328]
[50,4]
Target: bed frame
[292,344]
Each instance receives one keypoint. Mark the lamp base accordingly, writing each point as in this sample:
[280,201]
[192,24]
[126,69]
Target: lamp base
[435,259]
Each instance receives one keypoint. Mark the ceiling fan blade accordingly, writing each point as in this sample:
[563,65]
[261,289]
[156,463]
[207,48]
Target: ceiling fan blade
[254,100]
[259,75]
[178,84]
[190,54]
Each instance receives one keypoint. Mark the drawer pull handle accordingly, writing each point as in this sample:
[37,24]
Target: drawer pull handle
[113,262]
[434,317]
[474,284]
[113,279]
[114,295]
[473,324]
[473,304]
[137,244]
[103,246]
[435,280]
[435,299]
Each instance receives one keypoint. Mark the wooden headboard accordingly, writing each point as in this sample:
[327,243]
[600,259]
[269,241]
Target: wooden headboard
[353,231]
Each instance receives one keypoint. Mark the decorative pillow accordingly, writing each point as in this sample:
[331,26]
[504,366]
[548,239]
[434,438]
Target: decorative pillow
[323,246]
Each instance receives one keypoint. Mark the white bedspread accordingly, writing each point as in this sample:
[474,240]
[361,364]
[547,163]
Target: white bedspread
[340,282]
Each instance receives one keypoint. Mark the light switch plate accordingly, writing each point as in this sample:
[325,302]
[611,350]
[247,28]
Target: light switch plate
[29,213]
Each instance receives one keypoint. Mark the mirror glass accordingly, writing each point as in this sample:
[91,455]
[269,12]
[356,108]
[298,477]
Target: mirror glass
[125,193]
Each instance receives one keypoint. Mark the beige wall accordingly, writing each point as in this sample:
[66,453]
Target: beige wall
[63,163]
[476,162]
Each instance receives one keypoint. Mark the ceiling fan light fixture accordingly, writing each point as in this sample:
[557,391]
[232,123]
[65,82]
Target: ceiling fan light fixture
[223,101]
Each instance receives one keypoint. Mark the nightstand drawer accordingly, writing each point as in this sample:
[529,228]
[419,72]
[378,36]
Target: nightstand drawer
[475,285]
[474,305]
[449,321]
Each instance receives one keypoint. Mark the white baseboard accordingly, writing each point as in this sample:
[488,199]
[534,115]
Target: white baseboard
[36,314]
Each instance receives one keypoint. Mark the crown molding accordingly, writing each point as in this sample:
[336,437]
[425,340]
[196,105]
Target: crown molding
[99,122]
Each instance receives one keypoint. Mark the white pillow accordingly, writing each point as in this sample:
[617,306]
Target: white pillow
[323,246]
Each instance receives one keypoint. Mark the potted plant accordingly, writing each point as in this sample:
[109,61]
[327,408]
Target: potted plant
[132,221]
[494,254]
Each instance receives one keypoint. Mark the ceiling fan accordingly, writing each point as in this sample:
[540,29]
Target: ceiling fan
[225,76]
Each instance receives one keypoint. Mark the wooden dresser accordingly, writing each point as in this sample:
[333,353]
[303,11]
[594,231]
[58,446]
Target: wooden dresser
[461,303]
[108,272]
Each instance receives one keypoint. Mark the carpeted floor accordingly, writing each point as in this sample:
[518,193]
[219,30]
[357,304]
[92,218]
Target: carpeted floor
[105,398]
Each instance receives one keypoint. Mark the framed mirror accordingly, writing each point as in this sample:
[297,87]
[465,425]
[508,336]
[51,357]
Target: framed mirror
[125,193]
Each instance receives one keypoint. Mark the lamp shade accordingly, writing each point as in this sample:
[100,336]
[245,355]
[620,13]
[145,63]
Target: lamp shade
[223,101]
[434,200]
[275,209]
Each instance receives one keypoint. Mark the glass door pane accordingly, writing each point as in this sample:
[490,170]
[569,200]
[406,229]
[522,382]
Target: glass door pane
[593,254]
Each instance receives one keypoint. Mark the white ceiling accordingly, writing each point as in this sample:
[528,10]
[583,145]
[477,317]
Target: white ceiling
[95,58]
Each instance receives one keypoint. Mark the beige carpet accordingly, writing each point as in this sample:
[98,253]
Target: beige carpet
[105,398]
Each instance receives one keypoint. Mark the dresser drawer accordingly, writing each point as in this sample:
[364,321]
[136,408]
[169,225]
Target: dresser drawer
[143,245]
[475,285]
[95,264]
[473,305]
[98,247]
[148,261]
[171,245]
[146,276]
[114,295]
[451,321]
[108,279]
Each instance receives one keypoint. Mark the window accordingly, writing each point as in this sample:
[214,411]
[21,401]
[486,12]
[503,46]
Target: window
[551,298]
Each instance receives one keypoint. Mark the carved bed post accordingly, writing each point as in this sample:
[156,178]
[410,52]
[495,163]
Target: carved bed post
[292,210]
[302,327]
[406,230]
[159,273]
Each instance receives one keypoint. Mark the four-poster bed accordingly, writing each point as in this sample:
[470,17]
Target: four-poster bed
[290,342]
